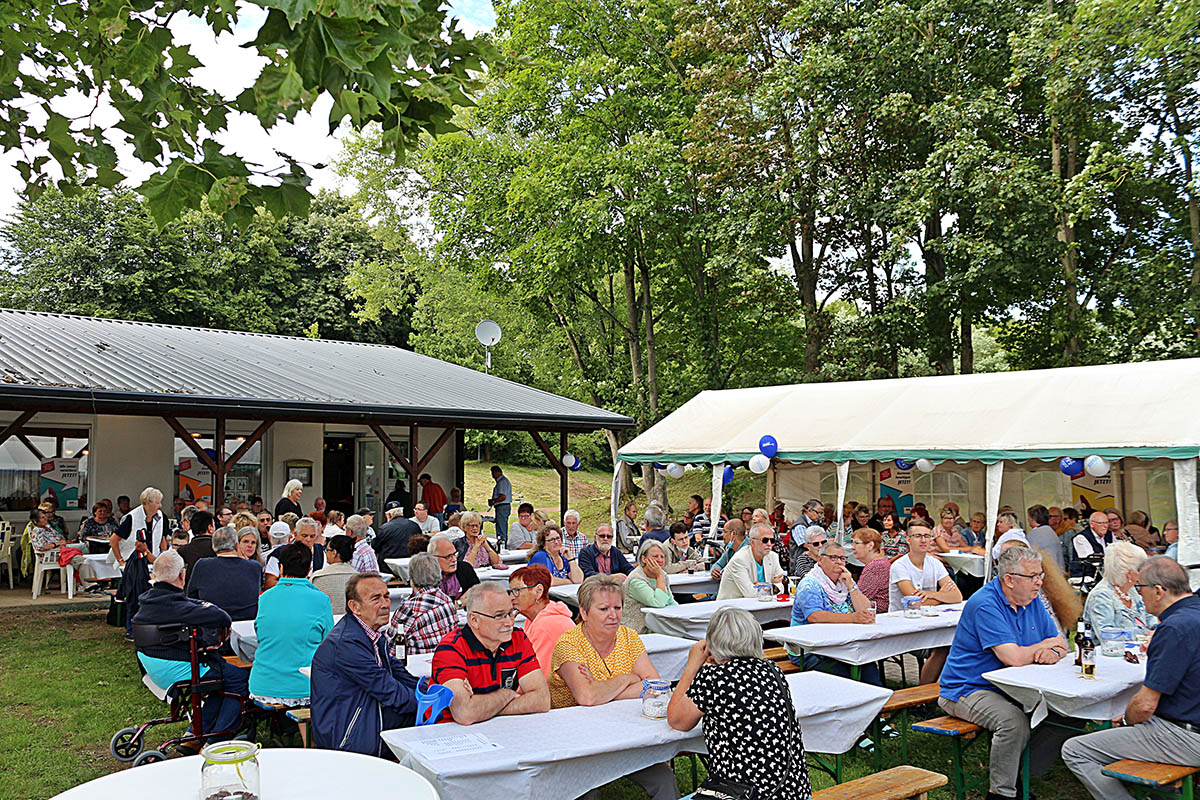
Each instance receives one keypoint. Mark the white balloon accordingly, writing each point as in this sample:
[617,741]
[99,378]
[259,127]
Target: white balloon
[675,470]
[925,465]
[759,464]
[569,460]
[1095,466]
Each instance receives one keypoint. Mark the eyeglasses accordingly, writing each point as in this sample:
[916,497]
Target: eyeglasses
[519,589]
[510,614]
[1140,586]
[920,535]
[856,541]
[1039,576]
[550,539]
[836,558]
[449,555]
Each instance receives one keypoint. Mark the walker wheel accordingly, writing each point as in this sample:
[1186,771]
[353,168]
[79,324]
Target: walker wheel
[126,744]
[150,757]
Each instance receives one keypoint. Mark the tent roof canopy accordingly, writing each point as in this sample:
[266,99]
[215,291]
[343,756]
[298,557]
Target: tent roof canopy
[1144,410]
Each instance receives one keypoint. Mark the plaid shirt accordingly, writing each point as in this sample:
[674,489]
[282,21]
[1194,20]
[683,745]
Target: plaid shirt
[422,621]
[373,635]
[364,559]
[573,544]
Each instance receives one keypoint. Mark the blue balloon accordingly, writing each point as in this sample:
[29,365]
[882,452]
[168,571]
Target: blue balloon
[1071,467]
[657,465]
[768,446]
[902,464]
[726,474]
[578,465]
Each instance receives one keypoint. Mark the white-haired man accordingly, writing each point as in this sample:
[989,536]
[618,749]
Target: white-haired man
[364,559]
[752,565]
[573,540]
[601,558]
[166,604]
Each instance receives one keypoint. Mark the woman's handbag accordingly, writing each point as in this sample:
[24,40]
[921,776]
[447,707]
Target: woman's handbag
[716,789]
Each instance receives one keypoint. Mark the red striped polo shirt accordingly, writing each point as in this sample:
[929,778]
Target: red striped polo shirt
[462,656]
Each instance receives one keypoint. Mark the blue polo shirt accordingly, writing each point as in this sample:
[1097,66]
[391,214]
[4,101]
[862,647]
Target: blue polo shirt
[1173,661]
[989,620]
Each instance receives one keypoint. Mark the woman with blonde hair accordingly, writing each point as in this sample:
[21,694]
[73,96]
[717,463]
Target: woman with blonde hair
[289,501]
[1114,602]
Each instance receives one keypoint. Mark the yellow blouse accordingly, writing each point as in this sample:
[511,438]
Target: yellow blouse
[574,646]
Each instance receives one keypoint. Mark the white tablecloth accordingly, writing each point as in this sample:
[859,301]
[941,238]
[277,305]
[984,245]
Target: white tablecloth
[399,568]
[970,563]
[690,620]
[290,773]
[890,635]
[1041,688]
[680,582]
[568,751]
[104,569]
[668,654]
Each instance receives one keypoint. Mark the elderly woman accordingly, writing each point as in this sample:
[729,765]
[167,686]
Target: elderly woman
[647,586]
[1115,602]
[726,682]
[827,594]
[875,578]
[948,535]
[135,544]
[551,555]
[247,544]
[893,540]
[546,619]
[289,501]
[479,552]
[681,556]
[99,524]
[600,660]
[44,536]
[293,617]
[426,616]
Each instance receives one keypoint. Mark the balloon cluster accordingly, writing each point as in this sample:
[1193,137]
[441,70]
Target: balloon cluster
[922,464]
[1096,466]
[571,462]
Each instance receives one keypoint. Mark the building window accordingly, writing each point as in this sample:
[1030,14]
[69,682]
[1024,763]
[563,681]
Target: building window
[49,464]
[939,487]
[858,488]
[193,481]
[1045,487]
[1160,486]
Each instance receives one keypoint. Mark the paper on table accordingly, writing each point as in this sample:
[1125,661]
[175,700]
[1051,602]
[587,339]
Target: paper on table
[461,744]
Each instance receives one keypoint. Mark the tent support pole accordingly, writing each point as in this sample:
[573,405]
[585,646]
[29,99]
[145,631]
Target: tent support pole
[995,477]
[718,491]
[843,475]
[1188,511]
[616,495]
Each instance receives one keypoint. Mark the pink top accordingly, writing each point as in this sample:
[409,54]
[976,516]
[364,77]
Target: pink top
[874,583]
[543,631]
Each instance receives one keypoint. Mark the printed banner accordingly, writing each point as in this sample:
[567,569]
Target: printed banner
[897,484]
[1093,494]
[60,480]
[195,479]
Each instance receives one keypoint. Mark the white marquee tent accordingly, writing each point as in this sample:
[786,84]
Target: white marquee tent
[1143,410]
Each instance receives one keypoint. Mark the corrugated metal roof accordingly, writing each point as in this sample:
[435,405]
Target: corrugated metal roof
[60,361]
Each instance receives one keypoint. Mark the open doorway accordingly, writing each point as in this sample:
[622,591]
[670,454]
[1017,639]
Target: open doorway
[338,473]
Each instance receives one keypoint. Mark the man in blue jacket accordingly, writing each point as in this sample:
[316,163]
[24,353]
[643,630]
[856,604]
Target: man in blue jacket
[601,558]
[358,690]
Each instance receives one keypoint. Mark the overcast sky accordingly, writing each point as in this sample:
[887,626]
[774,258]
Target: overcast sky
[229,69]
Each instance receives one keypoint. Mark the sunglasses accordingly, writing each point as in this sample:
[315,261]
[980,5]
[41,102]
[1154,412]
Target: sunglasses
[767,539]
[607,537]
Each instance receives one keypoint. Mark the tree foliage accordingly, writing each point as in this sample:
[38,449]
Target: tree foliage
[81,79]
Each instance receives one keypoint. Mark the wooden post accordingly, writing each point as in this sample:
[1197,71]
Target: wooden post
[413,473]
[219,475]
[15,425]
[562,475]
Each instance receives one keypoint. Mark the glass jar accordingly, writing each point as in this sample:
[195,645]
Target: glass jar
[765,592]
[912,606]
[656,696]
[230,771]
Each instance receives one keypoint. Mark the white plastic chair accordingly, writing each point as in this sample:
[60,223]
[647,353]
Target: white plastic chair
[7,549]
[45,562]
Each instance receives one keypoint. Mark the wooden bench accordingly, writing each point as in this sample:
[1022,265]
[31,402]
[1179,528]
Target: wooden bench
[1148,776]
[898,783]
[303,717]
[897,710]
[780,656]
[234,661]
[960,731]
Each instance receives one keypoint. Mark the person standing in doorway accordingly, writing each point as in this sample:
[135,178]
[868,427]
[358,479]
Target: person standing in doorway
[434,498]
[501,504]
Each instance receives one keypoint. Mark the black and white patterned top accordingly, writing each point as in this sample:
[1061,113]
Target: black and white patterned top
[749,741]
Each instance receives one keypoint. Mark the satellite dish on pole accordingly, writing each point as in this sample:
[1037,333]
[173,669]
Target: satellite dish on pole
[488,334]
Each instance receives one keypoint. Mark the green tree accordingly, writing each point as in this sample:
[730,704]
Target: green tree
[400,63]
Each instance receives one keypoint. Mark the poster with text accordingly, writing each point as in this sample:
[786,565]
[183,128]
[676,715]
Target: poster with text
[195,480]
[897,484]
[1090,493]
[60,481]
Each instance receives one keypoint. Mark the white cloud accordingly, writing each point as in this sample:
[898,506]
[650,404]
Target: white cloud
[228,69]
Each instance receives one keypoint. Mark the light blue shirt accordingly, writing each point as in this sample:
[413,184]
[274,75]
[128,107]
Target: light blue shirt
[503,487]
[1105,610]
[293,617]
[811,596]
